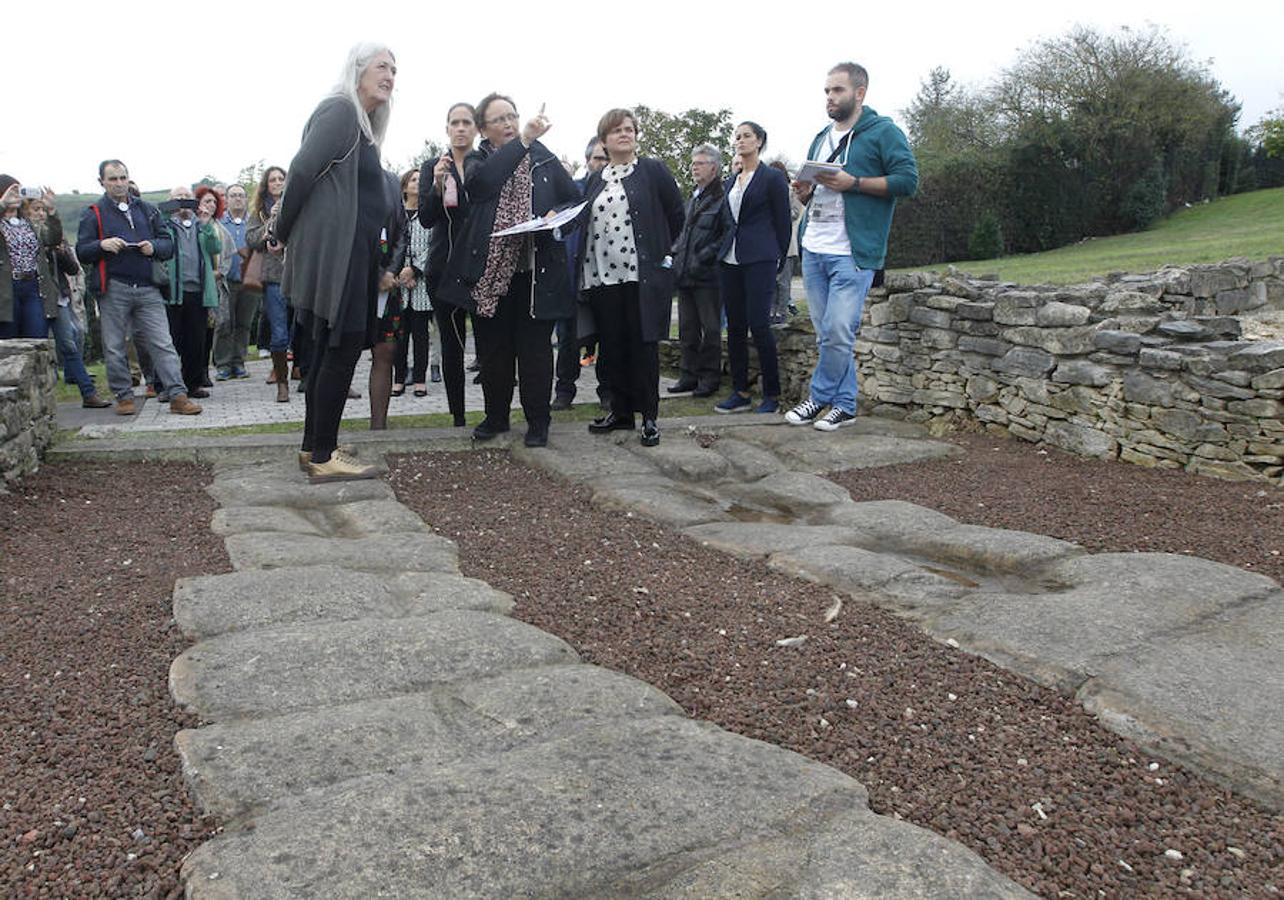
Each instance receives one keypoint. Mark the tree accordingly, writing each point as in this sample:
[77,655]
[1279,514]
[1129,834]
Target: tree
[250,175]
[986,241]
[1269,133]
[671,138]
[430,150]
[945,118]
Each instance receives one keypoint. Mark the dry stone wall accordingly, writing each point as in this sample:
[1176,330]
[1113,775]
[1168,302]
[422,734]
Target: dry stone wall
[27,406]
[1152,369]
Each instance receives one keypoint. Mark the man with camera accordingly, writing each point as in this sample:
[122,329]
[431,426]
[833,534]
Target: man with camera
[120,239]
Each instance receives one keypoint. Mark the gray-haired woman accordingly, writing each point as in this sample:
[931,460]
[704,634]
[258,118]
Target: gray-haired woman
[331,220]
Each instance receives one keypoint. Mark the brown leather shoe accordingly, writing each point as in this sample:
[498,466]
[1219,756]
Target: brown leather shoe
[282,392]
[125,407]
[180,405]
[93,401]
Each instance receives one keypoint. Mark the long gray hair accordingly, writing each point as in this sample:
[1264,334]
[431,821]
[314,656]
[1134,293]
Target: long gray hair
[373,125]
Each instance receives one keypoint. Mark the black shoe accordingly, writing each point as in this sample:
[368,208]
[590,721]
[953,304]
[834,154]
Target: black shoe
[562,401]
[488,429]
[681,387]
[536,434]
[611,422]
[705,391]
[436,373]
[650,436]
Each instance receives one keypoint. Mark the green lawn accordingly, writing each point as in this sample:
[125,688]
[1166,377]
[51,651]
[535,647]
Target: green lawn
[1249,225]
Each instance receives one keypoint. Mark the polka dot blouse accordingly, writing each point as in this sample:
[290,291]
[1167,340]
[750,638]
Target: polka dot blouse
[611,255]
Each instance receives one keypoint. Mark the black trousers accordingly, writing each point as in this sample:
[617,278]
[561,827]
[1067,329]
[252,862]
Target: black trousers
[568,357]
[700,335]
[326,385]
[634,364]
[748,292]
[509,343]
[415,325]
[451,324]
[187,326]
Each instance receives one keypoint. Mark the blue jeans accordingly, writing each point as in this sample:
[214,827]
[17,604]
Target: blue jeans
[278,317]
[28,312]
[836,289]
[67,337]
[141,306]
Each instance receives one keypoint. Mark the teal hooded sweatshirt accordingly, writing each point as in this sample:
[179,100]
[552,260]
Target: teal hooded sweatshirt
[876,148]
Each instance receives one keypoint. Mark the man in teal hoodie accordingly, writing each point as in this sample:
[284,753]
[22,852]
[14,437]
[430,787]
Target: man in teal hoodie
[843,235]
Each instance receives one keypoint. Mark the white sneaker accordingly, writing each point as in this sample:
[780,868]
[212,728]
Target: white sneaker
[804,412]
[834,420]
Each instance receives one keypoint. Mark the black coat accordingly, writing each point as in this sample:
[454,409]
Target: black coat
[695,252]
[655,206]
[444,222]
[485,172]
[765,226]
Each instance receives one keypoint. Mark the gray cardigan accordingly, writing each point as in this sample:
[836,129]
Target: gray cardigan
[318,217]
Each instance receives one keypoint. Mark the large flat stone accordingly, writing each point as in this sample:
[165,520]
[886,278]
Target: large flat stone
[238,601]
[658,498]
[274,486]
[600,813]
[584,457]
[248,766]
[992,549]
[254,519]
[796,493]
[278,670]
[886,524]
[681,458]
[1113,604]
[760,539]
[371,517]
[747,460]
[900,583]
[409,553]
[1211,697]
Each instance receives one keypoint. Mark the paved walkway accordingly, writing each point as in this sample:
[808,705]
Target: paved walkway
[252,401]
[376,725]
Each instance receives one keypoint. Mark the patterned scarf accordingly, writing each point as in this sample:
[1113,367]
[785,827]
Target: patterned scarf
[504,252]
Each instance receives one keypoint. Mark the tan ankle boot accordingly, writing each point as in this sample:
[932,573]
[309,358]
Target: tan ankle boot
[281,369]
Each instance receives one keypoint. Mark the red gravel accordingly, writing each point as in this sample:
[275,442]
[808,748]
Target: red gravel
[946,740]
[1101,505]
[93,803]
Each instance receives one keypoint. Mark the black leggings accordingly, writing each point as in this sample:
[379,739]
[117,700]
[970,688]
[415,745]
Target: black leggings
[634,363]
[451,323]
[329,378]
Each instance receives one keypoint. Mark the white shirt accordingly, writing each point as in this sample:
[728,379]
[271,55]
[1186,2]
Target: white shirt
[734,199]
[826,219]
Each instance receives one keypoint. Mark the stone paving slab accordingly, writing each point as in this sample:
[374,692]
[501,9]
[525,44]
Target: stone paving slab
[416,552]
[796,493]
[1211,697]
[271,671]
[904,585]
[602,813]
[1114,605]
[867,444]
[211,605]
[229,520]
[659,499]
[375,517]
[747,460]
[291,491]
[249,766]
[683,460]
[762,539]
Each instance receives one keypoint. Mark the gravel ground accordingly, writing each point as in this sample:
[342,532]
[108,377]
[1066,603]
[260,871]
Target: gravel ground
[1103,506]
[93,803]
[943,739]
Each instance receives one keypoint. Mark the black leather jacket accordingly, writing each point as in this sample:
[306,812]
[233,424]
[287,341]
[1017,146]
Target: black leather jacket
[695,252]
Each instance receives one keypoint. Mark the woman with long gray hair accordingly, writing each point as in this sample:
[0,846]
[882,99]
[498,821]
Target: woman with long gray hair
[331,220]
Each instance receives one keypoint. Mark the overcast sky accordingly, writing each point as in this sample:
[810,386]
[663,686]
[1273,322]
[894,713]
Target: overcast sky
[182,90]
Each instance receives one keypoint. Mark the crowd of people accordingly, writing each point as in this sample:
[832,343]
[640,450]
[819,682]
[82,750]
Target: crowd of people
[336,256]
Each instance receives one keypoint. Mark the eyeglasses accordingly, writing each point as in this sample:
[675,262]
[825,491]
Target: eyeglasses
[502,120]
[601,159]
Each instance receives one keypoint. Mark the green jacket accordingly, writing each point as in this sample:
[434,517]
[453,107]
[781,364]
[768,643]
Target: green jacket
[876,148]
[210,245]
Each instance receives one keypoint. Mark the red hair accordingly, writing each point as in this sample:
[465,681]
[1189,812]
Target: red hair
[204,189]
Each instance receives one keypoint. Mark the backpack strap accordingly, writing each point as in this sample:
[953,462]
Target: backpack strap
[102,262]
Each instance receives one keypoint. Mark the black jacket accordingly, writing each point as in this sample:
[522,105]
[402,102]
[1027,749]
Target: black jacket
[655,206]
[445,223]
[485,172]
[765,226]
[695,252]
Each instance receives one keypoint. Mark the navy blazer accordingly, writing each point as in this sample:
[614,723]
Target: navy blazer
[763,231]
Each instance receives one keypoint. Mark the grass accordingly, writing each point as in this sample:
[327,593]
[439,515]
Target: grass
[1250,225]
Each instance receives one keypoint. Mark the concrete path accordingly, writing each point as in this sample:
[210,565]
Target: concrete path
[375,725]
[1182,654]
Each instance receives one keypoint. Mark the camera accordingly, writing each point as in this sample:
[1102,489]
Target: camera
[30,192]
[173,206]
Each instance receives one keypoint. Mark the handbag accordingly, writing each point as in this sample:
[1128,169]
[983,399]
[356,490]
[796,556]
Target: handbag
[252,272]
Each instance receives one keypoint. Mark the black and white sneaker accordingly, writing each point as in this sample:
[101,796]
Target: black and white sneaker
[804,412]
[834,420]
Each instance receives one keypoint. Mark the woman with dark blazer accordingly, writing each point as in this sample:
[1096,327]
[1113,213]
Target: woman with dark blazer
[515,286]
[331,219]
[625,270]
[756,214]
[443,203]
